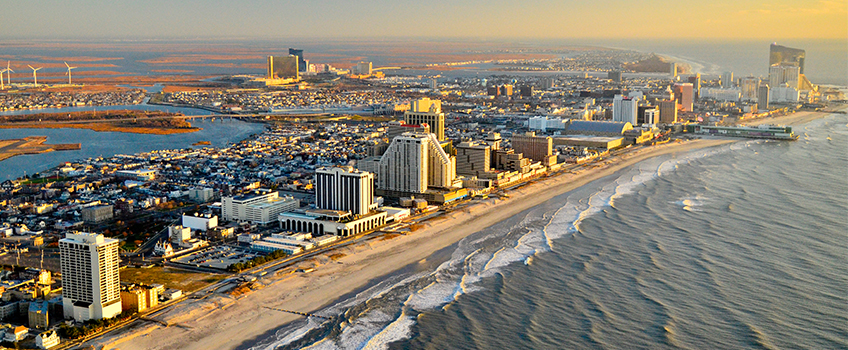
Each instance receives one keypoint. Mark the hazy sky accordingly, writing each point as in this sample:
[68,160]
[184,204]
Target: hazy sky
[775,19]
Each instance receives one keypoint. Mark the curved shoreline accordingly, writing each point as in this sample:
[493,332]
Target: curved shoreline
[227,322]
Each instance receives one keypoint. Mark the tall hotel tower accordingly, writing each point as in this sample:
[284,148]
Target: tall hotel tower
[344,189]
[90,280]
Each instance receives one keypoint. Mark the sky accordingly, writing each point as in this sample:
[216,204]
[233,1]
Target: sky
[475,19]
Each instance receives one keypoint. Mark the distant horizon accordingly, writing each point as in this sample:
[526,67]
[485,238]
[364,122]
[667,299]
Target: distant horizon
[492,20]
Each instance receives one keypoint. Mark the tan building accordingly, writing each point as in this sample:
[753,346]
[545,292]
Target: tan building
[668,111]
[427,111]
[538,148]
[138,298]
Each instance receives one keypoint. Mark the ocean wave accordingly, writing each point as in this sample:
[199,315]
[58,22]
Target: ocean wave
[477,259]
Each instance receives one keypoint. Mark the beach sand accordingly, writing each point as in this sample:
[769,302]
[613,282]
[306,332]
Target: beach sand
[226,322]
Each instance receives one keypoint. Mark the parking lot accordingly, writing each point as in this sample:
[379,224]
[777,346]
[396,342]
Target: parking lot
[216,257]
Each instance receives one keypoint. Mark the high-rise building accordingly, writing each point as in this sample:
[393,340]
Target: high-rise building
[90,280]
[748,87]
[624,109]
[283,67]
[782,55]
[259,207]
[726,80]
[538,148]
[363,68]
[763,97]
[546,83]
[427,111]
[302,64]
[685,96]
[673,70]
[344,189]
[414,162]
[784,74]
[696,85]
[473,158]
[668,111]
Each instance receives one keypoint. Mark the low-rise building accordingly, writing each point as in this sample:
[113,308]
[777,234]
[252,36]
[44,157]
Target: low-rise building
[47,339]
[259,207]
[97,214]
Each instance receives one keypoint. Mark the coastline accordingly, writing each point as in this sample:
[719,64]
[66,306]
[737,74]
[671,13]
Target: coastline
[198,325]
[101,127]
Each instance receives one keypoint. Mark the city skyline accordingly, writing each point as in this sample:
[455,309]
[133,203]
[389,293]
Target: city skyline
[327,19]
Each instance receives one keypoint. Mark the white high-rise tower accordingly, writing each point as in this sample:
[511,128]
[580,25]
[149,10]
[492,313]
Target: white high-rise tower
[90,279]
[344,189]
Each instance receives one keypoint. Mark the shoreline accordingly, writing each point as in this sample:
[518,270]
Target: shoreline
[234,322]
[103,127]
[223,321]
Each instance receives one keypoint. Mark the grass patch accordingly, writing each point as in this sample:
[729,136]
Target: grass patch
[171,278]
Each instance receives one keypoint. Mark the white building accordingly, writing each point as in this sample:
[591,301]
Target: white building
[624,109]
[344,189]
[163,249]
[652,116]
[200,222]
[784,74]
[201,195]
[47,340]
[179,234]
[90,279]
[721,94]
[544,124]
[414,162]
[784,94]
[324,222]
[726,80]
[748,87]
[259,207]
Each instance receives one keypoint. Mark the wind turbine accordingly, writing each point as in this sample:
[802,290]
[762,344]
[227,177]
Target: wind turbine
[34,76]
[8,75]
[69,72]
[2,84]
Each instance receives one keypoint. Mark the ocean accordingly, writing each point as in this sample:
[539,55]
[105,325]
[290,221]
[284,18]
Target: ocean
[739,246]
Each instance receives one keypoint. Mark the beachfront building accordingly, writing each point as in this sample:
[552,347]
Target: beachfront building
[427,111]
[473,158]
[414,162]
[258,207]
[320,222]
[344,189]
[624,109]
[90,281]
[138,298]
[537,148]
[47,340]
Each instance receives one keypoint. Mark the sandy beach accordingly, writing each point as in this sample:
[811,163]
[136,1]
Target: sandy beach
[226,322]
